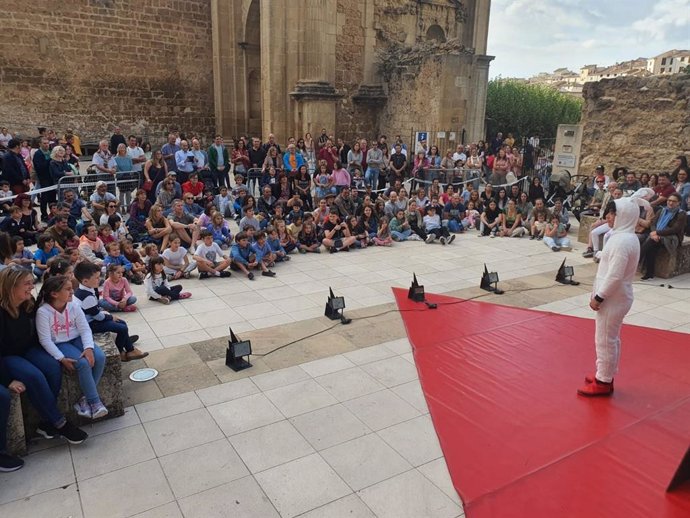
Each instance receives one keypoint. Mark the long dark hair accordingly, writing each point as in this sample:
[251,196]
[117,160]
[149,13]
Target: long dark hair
[50,286]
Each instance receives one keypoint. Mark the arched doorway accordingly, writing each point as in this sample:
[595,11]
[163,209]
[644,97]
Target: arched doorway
[436,33]
[253,70]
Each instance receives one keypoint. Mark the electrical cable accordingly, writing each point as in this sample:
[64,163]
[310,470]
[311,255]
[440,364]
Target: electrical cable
[398,310]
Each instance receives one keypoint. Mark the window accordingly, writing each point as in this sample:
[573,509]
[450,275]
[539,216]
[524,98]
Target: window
[663,61]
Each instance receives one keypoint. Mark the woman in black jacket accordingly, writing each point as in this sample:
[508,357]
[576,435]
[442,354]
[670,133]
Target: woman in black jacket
[24,360]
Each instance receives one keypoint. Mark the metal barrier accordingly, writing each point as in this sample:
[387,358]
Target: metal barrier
[457,176]
[253,177]
[85,185]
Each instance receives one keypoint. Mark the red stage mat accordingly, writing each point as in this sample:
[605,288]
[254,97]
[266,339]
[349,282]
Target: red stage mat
[501,385]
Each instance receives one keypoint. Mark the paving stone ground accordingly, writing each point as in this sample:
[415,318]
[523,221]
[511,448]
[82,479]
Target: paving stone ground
[334,425]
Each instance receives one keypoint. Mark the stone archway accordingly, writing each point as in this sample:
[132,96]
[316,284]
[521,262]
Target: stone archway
[436,33]
[253,70]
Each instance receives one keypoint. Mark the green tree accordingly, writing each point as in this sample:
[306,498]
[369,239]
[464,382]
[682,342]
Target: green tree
[525,110]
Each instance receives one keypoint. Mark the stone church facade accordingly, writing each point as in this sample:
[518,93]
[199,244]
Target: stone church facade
[355,67]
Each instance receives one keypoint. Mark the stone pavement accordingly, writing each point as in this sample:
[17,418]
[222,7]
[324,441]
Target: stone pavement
[333,425]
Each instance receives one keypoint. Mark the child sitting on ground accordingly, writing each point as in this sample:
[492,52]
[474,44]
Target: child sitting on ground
[434,228]
[89,276]
[157,287]
[220,231]
[65,334]
[22,257]
[117,294]
[288,242]
[209,257]
[46,251]
[105,233]
[176,261]
[127,249]
[224,203]
[115,257]
[539,226]
[119,228]
[383,236]
[263,250]
[150,251]
[244,259]
[294,228]
[556,235]
[274,242]
[308,241]
[249,219]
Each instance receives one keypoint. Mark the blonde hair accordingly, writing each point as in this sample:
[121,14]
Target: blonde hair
[55,151]
[9,279]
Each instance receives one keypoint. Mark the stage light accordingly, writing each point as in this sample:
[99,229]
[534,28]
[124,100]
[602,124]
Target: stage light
[334,308]
[565,275]
[236,353]
[489,282]
[416,293]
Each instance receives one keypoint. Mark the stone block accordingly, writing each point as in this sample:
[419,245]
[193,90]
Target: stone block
[668,266]
[585,227]
[24,419]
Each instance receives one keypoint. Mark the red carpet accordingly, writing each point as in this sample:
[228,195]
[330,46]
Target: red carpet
[500,383]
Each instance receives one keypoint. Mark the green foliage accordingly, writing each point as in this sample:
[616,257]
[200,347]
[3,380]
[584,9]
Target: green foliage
[686,70]
[525,110]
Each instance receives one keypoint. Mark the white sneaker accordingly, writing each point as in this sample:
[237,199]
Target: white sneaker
[82,408]
[430,238]
[451,238]
[98,410]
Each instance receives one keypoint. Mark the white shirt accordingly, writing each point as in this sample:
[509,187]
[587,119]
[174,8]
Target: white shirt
[183,164]
[54,327]
[212,253]
[175,258]
[200,158]
[135,152]
[5,139]
[459,156]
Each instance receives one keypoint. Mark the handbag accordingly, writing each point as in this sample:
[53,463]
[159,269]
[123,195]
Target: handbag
[148,185]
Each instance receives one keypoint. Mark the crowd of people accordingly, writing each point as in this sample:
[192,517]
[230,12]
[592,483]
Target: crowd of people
[189,217]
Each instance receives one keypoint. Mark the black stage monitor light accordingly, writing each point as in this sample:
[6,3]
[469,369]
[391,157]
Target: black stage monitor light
[416,291]
[334,308]
[565,275]
[236,353]
[490,282]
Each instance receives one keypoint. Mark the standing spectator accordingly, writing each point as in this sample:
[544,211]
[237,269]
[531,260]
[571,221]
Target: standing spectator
[501,168]
[103,159]
[201,163]
[5,137]
[14,168]
[136,154]
[329,153]
[397,165]
[271,142]
[41,163]
[292,161]
[343,150]
[123,163]
[169,151]
[155,172]
[116,139]
[257,154]
[219,162]
[59,166]
[185,161]
[374,164]
[354,158]
[74,140]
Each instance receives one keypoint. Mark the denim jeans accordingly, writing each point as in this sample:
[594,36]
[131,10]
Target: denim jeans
[5,400]
[111,307]
[401,236]
[88,376]
[454,225]
[372,177]
[42,377]
[119,328]
[556,241]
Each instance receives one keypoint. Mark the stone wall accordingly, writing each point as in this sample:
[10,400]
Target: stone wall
[145,65]
[639,123]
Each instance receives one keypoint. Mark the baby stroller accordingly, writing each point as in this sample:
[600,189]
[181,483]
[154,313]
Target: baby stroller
[560,186]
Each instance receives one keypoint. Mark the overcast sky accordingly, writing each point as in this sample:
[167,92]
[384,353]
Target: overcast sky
[532,36]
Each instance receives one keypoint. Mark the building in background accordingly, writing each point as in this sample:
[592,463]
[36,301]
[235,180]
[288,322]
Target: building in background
[670,62]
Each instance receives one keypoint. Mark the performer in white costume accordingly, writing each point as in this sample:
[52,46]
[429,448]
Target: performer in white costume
[612,295]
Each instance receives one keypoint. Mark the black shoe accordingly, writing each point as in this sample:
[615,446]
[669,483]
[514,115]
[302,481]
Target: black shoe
[133,339]
[250,276]
[532,236]
[203,275]
[225,273]
[268,273]
[332,249]
[647,277]
[10,463]
[73,434]
[47,430]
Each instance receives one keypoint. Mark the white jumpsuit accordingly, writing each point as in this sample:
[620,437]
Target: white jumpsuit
[613,283]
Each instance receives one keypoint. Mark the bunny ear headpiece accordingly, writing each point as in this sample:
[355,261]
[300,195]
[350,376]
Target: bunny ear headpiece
[642,197]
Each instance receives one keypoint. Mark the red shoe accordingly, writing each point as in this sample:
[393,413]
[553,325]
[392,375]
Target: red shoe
[590,379]
[596,388]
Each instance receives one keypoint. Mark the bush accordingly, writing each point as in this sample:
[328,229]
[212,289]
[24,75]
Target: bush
[526,110]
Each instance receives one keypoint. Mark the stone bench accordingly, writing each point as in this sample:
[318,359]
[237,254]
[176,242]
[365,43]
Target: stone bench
[667,266]
[24,419]
[585,228]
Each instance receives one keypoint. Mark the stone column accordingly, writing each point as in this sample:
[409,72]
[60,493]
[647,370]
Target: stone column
[371,90]
[477,109]
[314,93]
